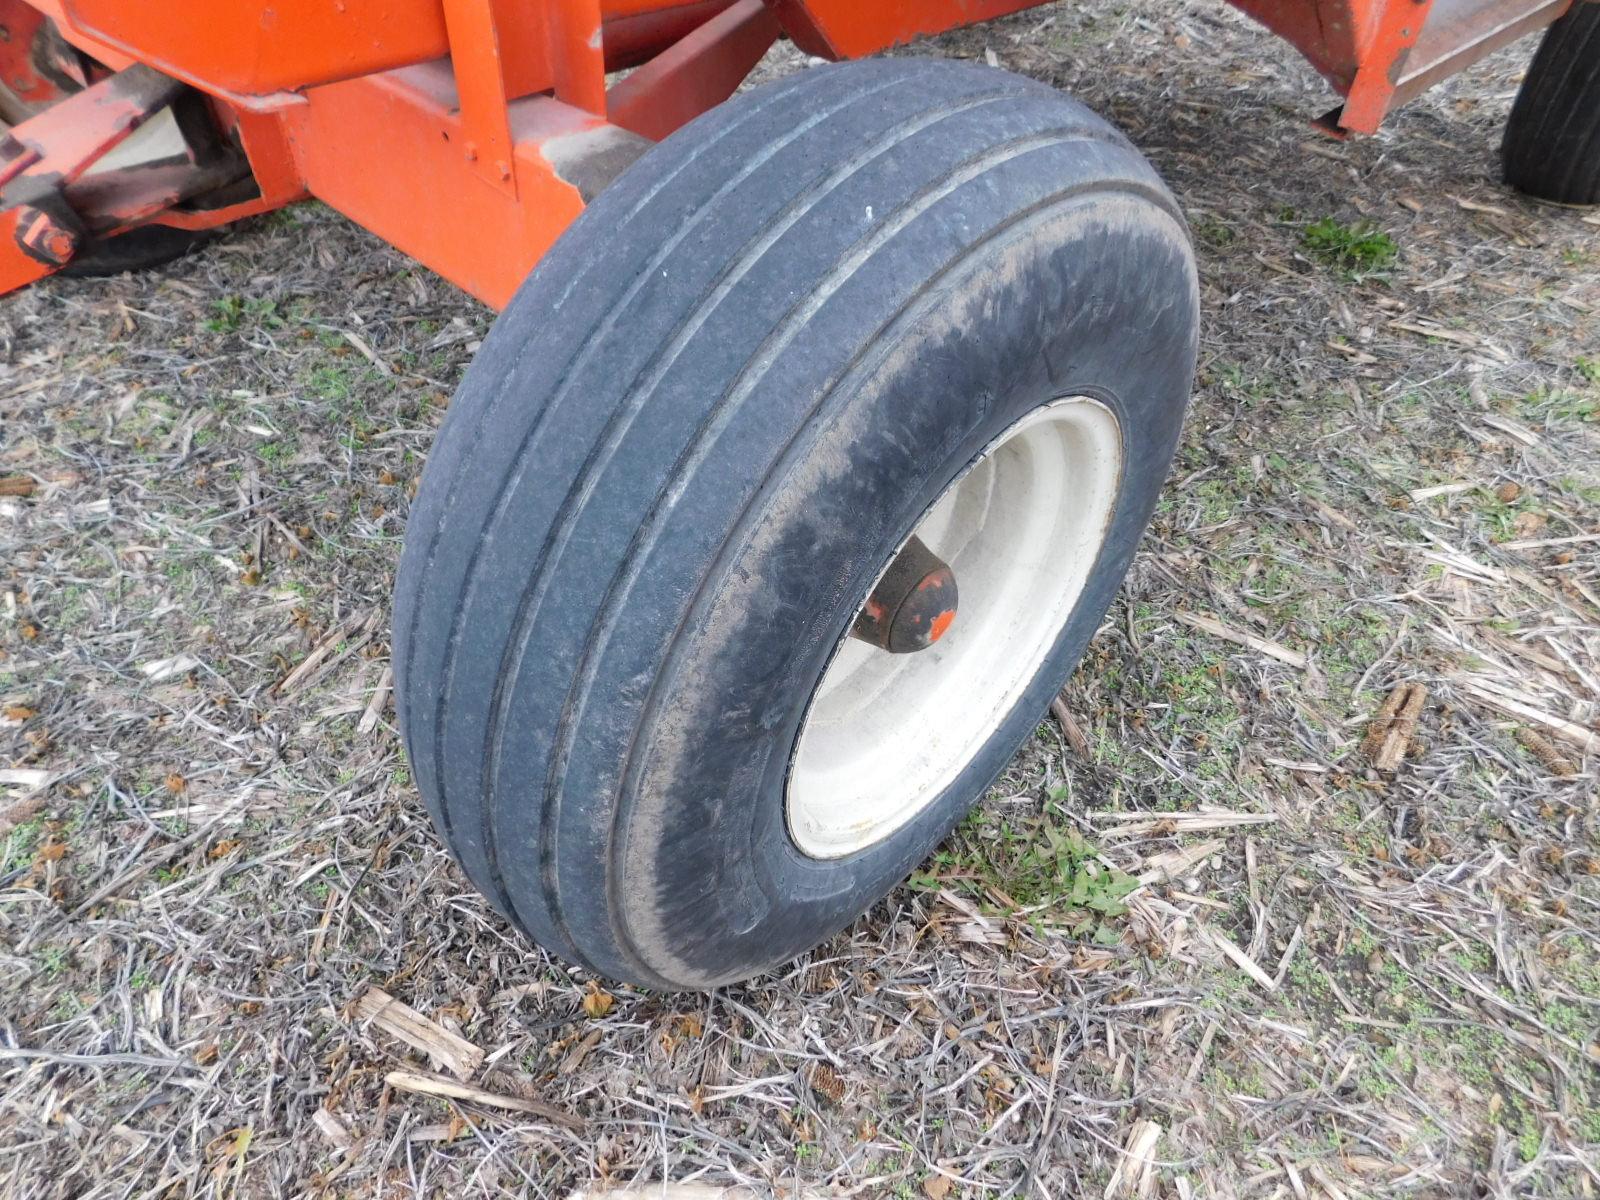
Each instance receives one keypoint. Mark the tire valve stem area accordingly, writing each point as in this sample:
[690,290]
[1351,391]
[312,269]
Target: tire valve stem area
[913,604]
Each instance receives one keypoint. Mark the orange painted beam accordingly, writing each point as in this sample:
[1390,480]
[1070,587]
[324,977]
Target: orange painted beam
[856,28]
[696,74]
[261,50]
[386,152]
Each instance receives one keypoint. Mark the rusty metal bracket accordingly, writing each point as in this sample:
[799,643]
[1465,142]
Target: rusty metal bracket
[47,154]
[576,41]
[49,233]
[1407,59]
[1371,92]
[573,48]
[51,200]
[69,137]
[1460,32]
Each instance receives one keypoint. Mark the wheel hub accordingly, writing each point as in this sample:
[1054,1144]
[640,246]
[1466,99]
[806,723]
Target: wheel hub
[913,605]
[1022,527]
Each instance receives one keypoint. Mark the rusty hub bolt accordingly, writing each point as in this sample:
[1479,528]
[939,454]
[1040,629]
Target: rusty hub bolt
[913,604]
[45,238]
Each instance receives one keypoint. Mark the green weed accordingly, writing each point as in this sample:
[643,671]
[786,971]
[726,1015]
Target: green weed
[1360,248]
[1038,863]
[1213,232]
[233,313]
[21,844]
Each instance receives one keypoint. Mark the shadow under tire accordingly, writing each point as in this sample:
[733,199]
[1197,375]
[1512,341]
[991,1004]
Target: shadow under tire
[137,250]
[689,447]
[1551,148]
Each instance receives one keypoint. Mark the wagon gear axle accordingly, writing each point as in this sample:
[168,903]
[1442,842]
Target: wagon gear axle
[913,605]
[658,689]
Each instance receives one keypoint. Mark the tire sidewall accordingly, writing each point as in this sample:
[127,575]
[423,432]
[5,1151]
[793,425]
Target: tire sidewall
[1098,299]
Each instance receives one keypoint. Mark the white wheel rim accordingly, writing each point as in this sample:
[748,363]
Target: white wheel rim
[1021,528]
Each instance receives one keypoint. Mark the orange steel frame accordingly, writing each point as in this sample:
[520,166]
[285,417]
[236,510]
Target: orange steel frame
[470,133]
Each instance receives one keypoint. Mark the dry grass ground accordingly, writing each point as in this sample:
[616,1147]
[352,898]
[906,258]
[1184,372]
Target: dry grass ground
[1379,976]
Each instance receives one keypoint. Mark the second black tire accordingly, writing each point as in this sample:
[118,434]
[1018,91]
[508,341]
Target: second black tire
[688,447]
[1552,139]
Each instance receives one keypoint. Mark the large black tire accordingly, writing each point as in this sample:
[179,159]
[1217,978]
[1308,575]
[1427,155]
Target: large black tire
[691,442]
[1552,141]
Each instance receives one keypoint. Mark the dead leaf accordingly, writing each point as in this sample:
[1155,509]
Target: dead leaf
[596,1001]
[826,1082]
[230,1149]
[1526,524]
[936,1187]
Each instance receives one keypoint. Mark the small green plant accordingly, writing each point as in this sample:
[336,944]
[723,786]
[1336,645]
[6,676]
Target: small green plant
[54,959]
[1213,232]
[21,843]
[1529,1142]
[278,452]
[232,313]
[1563,405]
[226,314]
[1589,368]
[330,382]
[1040,864]
[1360,248]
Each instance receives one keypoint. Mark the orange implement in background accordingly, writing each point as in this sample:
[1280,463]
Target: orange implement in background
[470,133]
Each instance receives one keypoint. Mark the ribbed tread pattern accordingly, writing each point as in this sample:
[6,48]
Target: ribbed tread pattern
[588,409]
[1552,139]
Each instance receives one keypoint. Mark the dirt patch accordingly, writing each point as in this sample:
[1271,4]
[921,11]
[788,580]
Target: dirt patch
[1198,904]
